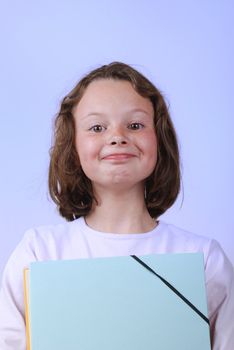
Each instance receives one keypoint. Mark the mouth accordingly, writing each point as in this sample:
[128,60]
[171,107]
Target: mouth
[119,156]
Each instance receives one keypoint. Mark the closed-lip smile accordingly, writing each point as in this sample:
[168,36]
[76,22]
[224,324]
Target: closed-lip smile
[118,156]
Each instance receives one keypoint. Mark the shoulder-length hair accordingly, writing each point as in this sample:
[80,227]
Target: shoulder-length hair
[70,188]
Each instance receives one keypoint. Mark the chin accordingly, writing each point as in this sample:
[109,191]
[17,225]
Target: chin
[122,183]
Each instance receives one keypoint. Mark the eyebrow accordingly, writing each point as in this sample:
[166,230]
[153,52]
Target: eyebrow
[135,110]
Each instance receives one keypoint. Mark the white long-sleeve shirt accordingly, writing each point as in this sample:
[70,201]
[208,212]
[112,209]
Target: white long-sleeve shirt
[76,240]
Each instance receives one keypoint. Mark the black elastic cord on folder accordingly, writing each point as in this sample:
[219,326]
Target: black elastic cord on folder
[172,288]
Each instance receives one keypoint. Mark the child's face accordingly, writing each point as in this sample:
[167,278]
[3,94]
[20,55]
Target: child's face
[115,135]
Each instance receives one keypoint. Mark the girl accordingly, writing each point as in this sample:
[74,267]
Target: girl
[114,170]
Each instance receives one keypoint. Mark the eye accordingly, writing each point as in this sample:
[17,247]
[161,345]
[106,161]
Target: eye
[97,128]
[135,126]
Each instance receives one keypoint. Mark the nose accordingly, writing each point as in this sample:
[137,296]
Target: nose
[118,137]
[118,140]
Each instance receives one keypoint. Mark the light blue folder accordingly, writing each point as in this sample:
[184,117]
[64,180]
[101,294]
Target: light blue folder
[117,304]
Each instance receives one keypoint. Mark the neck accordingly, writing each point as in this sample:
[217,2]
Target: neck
[120,212]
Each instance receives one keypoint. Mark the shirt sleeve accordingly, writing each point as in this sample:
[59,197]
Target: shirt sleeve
[12,320]
[220,293]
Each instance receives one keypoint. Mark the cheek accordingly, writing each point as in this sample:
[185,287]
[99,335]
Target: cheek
[150,145]
[86,149]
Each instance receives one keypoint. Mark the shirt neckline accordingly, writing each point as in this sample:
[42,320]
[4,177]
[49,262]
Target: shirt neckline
[140,235]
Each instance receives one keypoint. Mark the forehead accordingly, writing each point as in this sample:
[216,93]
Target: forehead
[104,94]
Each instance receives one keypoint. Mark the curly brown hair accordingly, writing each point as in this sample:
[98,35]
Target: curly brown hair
[70,188]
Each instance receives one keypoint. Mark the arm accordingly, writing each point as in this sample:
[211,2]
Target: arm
[220,293]
[12,321]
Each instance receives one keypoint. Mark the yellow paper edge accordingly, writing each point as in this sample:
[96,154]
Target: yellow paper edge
[26,303]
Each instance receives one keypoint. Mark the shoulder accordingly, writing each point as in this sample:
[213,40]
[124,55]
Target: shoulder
[48,242]
[49,232]
[51,241]
[182,240]
[178,240]
[218,268]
